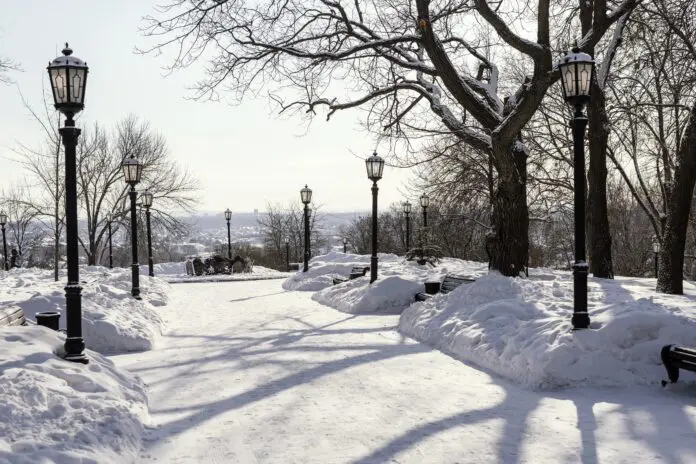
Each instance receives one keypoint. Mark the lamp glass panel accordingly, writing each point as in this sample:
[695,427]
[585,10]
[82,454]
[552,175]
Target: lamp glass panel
[585,70]
[3,218]
[569,80]
[59,84]
[76,82]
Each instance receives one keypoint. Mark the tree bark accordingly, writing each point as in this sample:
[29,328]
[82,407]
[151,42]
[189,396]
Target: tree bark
[598,233]
[679,195]
[509,243]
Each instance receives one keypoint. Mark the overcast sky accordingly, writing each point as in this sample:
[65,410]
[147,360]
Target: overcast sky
[243,156]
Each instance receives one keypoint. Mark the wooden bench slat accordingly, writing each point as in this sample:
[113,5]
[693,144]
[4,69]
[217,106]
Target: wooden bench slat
[11,316]
[675,358]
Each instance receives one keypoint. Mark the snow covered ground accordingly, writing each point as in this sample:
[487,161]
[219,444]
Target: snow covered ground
[271,376]
[112,320]
[519,328]
[176,273]
[55,411]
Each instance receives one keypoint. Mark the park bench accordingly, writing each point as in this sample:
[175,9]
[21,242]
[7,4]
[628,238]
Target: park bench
[449,283]
[12,315]
[675,358]
[356,272]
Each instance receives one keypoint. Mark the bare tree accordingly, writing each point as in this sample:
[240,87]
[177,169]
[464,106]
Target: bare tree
[655,136]
[101,184]
[44,163]
[399,58]
[22,219]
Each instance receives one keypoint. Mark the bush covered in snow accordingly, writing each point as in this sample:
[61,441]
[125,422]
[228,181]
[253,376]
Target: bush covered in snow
[520,328]
[112,320]
[55,411]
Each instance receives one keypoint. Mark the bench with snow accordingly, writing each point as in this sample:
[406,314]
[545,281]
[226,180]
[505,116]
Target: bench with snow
[675,358]
[449,283]
[12,315]
[354,274]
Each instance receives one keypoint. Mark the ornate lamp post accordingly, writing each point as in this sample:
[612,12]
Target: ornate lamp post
[147,198]
[132,170]
[68,77]
[407,214]
[424,202]
[375,167]
[576,70]
[3,221]
[656,253]
[110,219]
[306,196]
[345,244]
[228,217]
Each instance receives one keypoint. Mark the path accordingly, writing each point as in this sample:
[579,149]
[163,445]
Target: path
[249,373]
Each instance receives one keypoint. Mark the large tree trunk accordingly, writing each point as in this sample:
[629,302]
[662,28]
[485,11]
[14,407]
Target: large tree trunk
[598,234]
[679,195]
[509,243]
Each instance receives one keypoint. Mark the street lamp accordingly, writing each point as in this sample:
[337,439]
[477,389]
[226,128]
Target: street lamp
[407,213]
[287,254]
[147,198]
[345,244]
[110,218]
[656,252]
[3,221]
[132,170]
[424,202]
[306,196]
[68,77]
[576,70]
[375,166]
[228,217]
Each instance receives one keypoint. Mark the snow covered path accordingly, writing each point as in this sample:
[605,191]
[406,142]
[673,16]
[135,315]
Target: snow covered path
[251,373]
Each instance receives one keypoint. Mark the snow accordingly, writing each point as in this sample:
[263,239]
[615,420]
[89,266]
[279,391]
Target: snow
[55,411]
[175,273]
[518,328]
[521,329]
[272,376]
[112,320]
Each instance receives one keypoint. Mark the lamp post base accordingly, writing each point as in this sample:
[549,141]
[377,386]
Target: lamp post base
[135,290]
[581,318]
[74,349]
[373,268]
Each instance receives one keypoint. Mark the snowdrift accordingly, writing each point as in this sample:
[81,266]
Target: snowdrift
[112,321]
[520,328]
[394,290]
[53,410]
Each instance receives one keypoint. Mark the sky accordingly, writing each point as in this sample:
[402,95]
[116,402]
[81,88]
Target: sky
[243,157]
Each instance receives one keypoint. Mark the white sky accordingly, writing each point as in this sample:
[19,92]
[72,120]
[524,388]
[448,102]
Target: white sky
[244,156]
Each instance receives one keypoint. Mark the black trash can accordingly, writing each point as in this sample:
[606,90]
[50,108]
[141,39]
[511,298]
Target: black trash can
[431,288]
[50,319]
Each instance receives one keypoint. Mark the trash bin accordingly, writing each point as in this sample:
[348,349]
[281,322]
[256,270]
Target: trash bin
[48,319]
[431,288]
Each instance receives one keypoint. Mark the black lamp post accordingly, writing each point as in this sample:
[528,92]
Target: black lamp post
[3,221]
[375,167]
[407,214]
[68,77]
[424,202]
[228,217]
[576,70]
[345,244]
[132,170]
[110,219]
[656,253]
[287,254]
[147,198]
[306,196]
